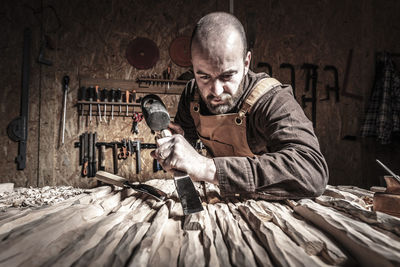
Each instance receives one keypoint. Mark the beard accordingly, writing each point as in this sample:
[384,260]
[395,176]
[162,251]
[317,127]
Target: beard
[229,100]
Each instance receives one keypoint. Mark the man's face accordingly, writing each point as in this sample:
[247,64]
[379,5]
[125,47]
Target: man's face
[220,74]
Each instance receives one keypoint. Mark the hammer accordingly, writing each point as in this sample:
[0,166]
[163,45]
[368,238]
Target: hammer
[157,118]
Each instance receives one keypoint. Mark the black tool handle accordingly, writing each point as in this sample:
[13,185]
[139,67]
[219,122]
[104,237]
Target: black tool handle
[102,158]
[104,94]
[90,149]
[111,95]
[138,161]
[118,95]
[115,158]
[85,163]
[81,150]
[94,163]
[65,82]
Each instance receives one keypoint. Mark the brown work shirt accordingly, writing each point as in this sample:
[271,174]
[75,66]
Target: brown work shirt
[288,164]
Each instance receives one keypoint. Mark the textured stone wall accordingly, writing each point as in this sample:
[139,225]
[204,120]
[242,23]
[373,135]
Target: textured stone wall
[90,38]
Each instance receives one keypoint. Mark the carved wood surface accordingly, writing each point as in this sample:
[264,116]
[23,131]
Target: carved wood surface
[121,227]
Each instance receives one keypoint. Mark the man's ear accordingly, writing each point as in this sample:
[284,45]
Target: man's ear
[247,61]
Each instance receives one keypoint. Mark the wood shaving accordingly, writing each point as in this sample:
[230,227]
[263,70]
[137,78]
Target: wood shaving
[37,197]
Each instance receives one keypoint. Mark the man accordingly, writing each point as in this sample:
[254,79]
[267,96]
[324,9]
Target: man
[260,141]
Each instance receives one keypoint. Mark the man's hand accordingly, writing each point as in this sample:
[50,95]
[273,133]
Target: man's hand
[175,153]
[175,128]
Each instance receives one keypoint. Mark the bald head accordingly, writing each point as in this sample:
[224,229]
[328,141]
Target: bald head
[216,30]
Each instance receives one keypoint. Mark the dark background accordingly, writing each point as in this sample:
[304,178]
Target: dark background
[89,39]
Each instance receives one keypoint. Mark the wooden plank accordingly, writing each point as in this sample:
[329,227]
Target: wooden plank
[93,234]
[378,219]
[134,235]
[211,257]
[216,236]
[239,251]
[191,251]
[311,239]
[104,250]
[282,250]
[29,216]
[336,193]
[367,245]
[130,240]
[43,232]
[260,254]
[167,251]
[147,248]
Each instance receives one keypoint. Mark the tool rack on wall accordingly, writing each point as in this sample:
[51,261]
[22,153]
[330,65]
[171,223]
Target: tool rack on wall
[120,107]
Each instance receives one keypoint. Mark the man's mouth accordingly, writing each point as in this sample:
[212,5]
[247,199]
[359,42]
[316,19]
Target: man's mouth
[220,100]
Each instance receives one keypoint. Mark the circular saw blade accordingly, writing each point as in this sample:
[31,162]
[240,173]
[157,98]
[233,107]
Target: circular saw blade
[179,51]
[142,53]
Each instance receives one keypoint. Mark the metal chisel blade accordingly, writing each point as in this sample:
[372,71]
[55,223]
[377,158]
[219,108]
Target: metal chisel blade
[113,179]
[187,193]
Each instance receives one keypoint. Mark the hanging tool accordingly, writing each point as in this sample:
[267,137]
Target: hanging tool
[115,157]
[65,92]
[109,178]
[89,97]
[81,97]
[124,150]
[118,98]
[111,98]
[102,158]
[127,101]
[85,163]
[97,98]
[167,75]
[346,78]
[94,159]
[335,87]
[311,76]
[17,129]
[136,145]
[90,149]
[265,65]
[103,97]
[133,96]
[44,43]
[157,118]
[137,117]
[292,76]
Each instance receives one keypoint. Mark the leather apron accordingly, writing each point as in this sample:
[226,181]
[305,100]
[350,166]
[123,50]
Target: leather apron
[225,134]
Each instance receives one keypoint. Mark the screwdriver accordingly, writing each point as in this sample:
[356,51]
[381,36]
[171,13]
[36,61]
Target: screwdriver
[127,101]
[97,98]
[111,97]
[103,96]
[89,95]
[65,89]
[168,74]
[133,96]
[118,98]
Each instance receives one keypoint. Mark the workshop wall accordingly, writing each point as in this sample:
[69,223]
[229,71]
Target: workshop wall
[89,39]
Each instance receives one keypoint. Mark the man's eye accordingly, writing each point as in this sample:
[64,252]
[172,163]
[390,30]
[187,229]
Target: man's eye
[204,77]
[226,77]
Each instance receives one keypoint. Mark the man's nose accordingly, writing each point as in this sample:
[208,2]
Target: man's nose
[217,88]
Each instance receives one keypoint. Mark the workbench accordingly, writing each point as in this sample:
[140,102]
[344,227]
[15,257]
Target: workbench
[108,226]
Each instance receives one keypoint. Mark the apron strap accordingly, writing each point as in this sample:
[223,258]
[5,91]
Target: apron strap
[262,87]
